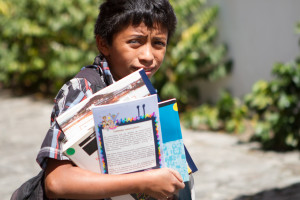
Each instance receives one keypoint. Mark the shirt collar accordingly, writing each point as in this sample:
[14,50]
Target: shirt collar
[102,63]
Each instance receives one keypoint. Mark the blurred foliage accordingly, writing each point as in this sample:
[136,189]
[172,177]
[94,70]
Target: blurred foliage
[228,114]
[275,108]
[193,53]
[44,43]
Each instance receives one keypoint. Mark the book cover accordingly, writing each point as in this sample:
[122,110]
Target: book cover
[129,136]
[84,152]
[171,130]
[78,125]
[173,147]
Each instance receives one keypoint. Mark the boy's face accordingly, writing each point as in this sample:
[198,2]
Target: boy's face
[136,47]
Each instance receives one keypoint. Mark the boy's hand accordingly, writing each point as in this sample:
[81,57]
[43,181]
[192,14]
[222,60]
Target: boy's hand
[162,183]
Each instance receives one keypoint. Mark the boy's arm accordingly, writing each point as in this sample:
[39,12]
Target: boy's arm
[64,180]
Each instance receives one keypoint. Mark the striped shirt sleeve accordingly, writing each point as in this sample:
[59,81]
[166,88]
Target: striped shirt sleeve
[69,95]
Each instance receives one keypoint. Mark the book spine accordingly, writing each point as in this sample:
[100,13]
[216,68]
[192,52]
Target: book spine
[190,161]
[147,82]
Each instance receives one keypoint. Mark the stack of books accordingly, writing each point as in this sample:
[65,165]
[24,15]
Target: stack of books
[123,128]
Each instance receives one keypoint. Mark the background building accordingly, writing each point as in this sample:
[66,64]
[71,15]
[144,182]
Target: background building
[258,34]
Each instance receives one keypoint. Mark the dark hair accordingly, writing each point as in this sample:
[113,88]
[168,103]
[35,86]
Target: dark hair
[115,15]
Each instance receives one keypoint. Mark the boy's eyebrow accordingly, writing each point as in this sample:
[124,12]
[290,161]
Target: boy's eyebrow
[144,36]
[138,36]
[160,38]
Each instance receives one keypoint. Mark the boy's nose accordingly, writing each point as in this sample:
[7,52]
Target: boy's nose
[146,55]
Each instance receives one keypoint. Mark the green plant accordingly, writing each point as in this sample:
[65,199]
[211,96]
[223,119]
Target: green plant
[42,41]
[232,112]
[276,108]
[192,53]
[204,117]
[228,114]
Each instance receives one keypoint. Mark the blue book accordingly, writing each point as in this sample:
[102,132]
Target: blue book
[173,147]
[175,153]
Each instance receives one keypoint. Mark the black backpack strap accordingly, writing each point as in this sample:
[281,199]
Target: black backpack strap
[33,189]
[93,74]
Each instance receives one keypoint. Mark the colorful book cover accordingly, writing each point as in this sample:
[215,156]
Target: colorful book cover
[129,136]
[173,146]
[168,114]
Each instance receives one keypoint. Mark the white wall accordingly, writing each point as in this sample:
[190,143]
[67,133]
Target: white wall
[258,34]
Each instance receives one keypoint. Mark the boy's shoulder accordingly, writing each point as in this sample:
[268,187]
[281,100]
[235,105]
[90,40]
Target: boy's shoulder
[86,82]
[94,75]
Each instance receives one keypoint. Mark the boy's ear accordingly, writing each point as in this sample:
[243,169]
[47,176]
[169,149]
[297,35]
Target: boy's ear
[102,46]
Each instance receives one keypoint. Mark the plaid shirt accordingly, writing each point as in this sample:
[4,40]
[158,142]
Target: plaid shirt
[72,92]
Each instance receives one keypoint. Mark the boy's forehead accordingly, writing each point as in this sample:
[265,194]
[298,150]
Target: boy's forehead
[142,27]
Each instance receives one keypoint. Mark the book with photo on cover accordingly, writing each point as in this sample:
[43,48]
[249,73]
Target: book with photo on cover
[78,125]
[129,137]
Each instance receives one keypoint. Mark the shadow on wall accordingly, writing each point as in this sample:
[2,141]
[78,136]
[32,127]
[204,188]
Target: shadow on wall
[291,192]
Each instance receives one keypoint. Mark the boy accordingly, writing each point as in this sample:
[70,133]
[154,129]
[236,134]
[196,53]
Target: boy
[130,34]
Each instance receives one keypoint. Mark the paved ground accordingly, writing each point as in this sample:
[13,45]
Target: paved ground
[227,169]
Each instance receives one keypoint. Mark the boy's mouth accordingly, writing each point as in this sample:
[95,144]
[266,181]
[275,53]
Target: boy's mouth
[148,70]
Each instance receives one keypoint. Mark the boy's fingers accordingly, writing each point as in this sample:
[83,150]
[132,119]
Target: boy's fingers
[176,174]
[179,178]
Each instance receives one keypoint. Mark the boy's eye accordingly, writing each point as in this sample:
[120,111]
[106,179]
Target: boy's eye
[160,43]
[133,41]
